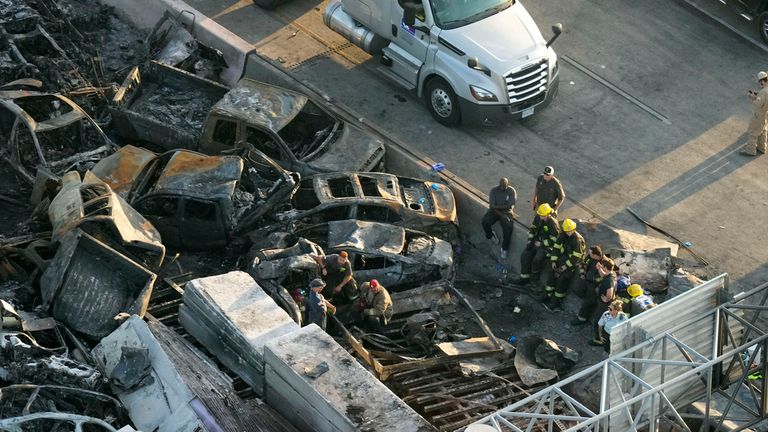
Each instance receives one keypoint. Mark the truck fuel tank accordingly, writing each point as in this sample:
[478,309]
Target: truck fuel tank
[341,22]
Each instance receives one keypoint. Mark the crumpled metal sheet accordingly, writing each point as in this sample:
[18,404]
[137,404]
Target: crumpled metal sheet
[92,202]
[261,104]
[87,284]
[359,235]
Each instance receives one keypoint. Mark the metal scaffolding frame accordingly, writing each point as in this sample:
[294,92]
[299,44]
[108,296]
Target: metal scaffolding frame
[646,386]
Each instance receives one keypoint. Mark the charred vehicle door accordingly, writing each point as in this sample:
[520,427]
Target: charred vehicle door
[272,146]
[202,223]
[385,270]
[164,212]
[222,133]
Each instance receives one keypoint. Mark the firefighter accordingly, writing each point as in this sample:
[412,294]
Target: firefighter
[591,275]
[541,237]
[758,126]
[565,259]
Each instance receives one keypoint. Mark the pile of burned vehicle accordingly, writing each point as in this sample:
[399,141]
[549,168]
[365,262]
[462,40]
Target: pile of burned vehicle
[170,178]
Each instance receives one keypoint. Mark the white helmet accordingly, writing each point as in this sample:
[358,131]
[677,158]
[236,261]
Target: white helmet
[762,75]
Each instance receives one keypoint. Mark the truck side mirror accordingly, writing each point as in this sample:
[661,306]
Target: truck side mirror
[557,29]
[474,63]
[409,14]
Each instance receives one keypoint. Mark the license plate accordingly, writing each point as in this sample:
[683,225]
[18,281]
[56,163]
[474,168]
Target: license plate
[527,112]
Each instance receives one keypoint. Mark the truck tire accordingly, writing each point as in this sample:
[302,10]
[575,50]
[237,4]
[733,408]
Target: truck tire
[762,26]
[442,102]
[269,4]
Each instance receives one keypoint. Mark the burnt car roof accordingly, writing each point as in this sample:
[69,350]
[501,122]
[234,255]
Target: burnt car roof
[262,104]
[196,174]
[387,186]
[359,235]
[120,169]
[14,99]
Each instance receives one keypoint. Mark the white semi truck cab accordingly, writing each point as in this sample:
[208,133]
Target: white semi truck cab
[473,61]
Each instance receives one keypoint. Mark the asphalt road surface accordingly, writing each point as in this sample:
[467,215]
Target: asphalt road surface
[651,113]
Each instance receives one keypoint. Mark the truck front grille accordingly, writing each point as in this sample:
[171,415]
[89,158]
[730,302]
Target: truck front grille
[528,85]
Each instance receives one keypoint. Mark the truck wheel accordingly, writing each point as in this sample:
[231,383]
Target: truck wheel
[442,102]
[269,4]
[762,26]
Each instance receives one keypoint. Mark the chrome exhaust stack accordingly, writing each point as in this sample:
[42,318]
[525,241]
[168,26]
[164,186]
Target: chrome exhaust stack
[342,23]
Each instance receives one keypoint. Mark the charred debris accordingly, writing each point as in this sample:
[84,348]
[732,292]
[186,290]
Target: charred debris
[158,246]
[139,186]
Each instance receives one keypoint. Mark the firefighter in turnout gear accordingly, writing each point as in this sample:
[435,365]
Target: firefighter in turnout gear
[565,260]
[541,238]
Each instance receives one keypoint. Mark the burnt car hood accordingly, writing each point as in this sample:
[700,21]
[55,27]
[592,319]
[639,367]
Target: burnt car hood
[353,150]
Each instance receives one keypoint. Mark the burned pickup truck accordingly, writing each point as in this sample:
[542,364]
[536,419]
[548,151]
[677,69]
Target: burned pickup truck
[198,201]
[174,109]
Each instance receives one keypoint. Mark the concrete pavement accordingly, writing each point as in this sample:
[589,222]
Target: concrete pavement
[651,113]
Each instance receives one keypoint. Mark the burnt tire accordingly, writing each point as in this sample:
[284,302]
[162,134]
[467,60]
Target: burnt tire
[269,4]
[442,102]
[762,26]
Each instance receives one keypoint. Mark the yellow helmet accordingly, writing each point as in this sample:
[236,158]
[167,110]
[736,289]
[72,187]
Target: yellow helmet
[635,290]
[569,225]
[544,210]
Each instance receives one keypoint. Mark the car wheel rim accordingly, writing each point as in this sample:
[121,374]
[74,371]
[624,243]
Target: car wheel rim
[765,28]
[442,103]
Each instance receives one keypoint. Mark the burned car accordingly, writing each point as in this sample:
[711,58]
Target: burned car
[174,109]
[47,130]
[92,206]
[374,197]
[284,269]
[395,256]
[198,201]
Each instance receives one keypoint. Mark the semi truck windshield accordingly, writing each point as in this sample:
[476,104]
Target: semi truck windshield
[451,14]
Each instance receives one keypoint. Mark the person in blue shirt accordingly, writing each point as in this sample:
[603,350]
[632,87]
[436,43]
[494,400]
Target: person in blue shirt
[610,319]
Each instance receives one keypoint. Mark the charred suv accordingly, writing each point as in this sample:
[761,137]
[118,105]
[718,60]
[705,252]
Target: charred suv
[481,61]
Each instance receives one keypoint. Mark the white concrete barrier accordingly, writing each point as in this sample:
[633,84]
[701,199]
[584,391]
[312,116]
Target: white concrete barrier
[312,378]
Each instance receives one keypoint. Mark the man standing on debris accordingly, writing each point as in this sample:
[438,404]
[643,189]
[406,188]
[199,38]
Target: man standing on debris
[337,271]
[501,202]
[758,126]
[318,306]
[375,304]
[610,319]
[565,258]
[548,190]
[541,238]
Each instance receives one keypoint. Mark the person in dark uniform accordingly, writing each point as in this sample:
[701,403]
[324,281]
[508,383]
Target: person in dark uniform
[548,190]
[337,272]
[541,238]
[501,202]
[318,306]
[566,257]
[590,279]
